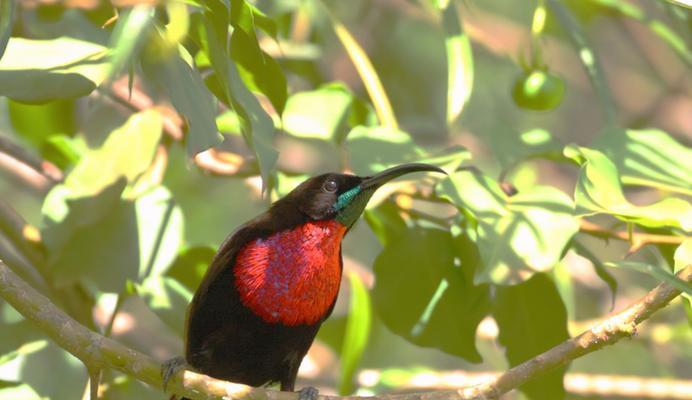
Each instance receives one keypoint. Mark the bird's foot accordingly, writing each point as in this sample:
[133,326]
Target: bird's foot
[308,393]
[170,368]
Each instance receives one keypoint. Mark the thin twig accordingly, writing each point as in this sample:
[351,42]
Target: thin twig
[24,236]
[138,100]
[637,240]
[97,351]
[29,169]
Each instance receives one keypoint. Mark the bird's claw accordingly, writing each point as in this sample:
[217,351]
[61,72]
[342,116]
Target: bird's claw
[170,368]
[308,393]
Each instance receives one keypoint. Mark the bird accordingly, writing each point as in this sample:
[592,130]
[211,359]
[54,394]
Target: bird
[274,280]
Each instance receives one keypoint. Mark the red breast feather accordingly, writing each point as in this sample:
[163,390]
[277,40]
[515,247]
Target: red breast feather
[292,277]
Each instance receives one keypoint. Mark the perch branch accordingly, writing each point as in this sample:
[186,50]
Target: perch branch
[97,351]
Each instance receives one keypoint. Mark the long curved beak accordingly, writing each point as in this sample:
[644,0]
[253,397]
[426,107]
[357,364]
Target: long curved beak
[387,175]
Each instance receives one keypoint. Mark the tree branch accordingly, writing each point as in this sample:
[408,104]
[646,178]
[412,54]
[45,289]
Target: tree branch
[26,167]
[637,239]
[97,351]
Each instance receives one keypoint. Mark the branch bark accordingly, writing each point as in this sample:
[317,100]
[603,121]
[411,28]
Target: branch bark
[637,239]
[29,169]
[97,351]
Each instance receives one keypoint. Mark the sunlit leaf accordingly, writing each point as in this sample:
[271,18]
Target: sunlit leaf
[318,114]
[7,8]
[36,364]
[648,158]
[424,291]
[356,335]
[190,97]
[38,71]
[18,391]
[683,259]
[377,148]
[258,69]
[599,191]
[257,126]
[657,272]
[166,297]
[517,235]
[178,23]
[459,62]
[63,151]
[229,123]
[683,255]
[367,73]
[127,152]
[104,241]
[246,16]
[129,35]
[531,319]
[26,348]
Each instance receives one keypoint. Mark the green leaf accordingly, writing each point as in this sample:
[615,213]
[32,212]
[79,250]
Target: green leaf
[318,114]
[374,149]
[190,97]
[516,235]
[683,255]
[191,265]
[657,272]
[24,349]
[7,8]
[37,123]
[683,259]
[64,151]
[20,391]
[587,56]
[259,70]
[38,71]
[599,191]
[166,297]
[229,123]
[386,222]
[247,17]
[660,28]
[35,366]
[367,73]
[104,241]
[258,127]
[129,35]
[459,62]
[424,291]
[600,269]
[532,319]
[127,152]
[648,157]
[356,335]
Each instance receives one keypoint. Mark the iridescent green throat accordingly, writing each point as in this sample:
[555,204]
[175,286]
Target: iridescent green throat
[350,204]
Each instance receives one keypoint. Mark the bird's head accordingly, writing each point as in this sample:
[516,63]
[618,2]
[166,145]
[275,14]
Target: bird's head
[343,197]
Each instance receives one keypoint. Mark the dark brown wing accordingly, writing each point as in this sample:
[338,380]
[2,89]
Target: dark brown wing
[224,338]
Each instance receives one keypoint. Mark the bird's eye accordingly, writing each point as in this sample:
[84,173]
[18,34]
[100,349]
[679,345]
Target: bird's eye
[330,186]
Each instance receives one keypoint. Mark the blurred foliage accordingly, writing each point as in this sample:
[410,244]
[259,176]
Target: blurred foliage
[172,122]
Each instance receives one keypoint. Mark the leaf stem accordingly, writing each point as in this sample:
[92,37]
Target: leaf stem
[360,60]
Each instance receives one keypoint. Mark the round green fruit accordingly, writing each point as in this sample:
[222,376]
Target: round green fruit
[538,90]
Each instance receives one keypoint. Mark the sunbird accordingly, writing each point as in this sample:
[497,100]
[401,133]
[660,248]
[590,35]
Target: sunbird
[274,280]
